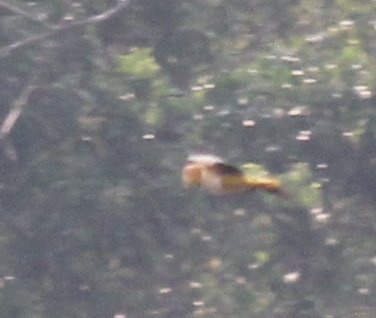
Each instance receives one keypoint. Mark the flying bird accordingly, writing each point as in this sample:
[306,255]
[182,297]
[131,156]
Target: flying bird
[217,177]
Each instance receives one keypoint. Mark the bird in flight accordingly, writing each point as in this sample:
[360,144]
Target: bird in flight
[217,177]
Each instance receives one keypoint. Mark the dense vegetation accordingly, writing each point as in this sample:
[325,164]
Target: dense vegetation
[101,101]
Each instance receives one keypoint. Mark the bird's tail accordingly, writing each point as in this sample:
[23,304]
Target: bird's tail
[269,185]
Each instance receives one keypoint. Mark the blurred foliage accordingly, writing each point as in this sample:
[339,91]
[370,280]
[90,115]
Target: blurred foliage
[94,222]
[138,63]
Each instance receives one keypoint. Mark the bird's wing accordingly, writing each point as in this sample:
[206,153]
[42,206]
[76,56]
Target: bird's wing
[223,169]
[205,159]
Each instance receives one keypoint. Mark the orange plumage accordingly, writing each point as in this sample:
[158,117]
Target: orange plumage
[217,177]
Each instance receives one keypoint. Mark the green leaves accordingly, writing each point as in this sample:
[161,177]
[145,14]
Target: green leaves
[139,63]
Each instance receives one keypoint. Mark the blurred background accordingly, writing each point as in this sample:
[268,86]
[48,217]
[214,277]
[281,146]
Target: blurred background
[102,101]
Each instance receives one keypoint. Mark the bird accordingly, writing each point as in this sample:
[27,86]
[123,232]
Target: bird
[217,177]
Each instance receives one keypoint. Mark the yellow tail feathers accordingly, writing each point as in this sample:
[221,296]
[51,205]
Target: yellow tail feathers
[219,178]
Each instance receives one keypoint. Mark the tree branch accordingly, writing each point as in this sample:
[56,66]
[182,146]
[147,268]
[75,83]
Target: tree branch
[9,122]
[15,10]
[6,50]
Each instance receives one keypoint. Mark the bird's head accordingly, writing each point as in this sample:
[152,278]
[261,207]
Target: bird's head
[191,174]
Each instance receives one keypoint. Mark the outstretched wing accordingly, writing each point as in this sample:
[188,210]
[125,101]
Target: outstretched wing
[205,159]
